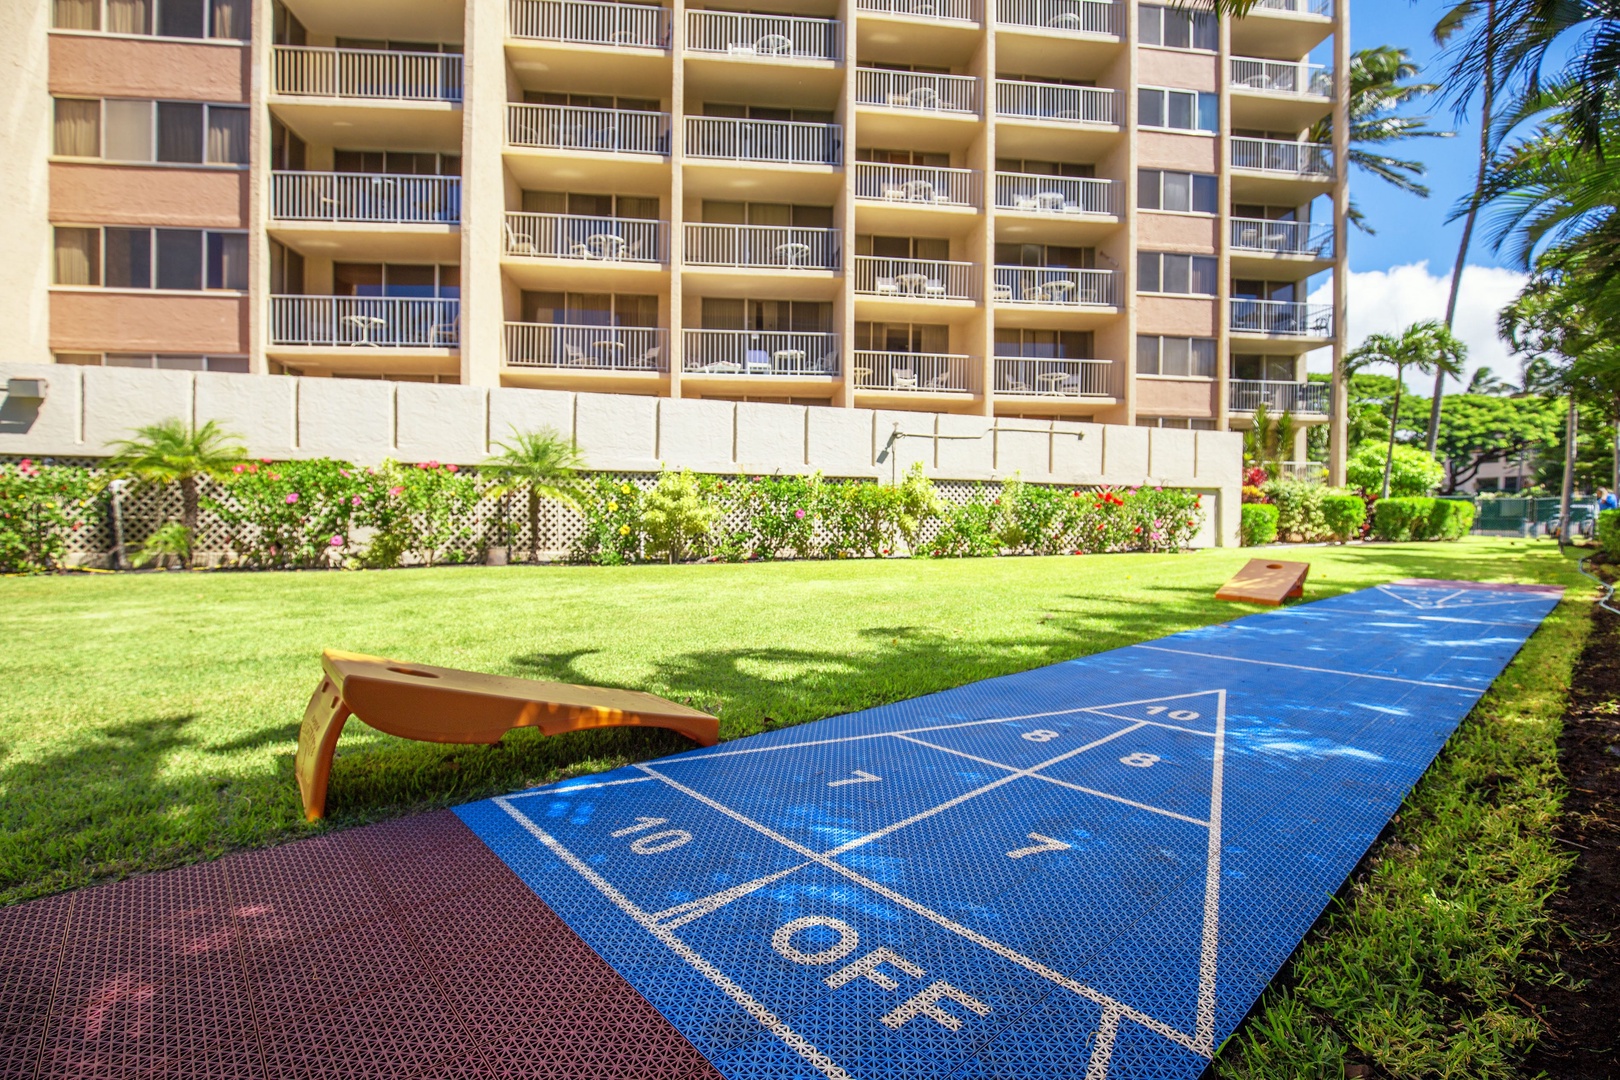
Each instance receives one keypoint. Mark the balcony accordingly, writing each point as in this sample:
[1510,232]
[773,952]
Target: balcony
[917,92]
[763,37]
[584,238]
[918,185]
[790,142]
[914,373]
[1303,159]
[965,11]
[589,22]
[916,279]
[1323,8]
[1054,194]
[366,74]
[1038,377]
[1054,286]
[1279,397]
[1282,27]
[1278,95]
[575,127]
[373,198]
[1281,318]
[1280,77]
[1313,239]
[1077,16]
[587,348]
[759,353]
[365,322]
[775,247]
[1054,101]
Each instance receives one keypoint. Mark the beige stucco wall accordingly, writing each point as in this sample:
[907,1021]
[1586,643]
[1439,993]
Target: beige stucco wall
[1175,315]
[1176,232]
[1184,70]
[95,66]
[1170,150]
[90,194]
[1174,397]
[110,320]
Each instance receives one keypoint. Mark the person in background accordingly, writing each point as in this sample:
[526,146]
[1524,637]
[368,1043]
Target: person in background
[1606,500]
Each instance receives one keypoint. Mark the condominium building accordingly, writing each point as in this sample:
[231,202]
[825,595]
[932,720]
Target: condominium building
[1106,210]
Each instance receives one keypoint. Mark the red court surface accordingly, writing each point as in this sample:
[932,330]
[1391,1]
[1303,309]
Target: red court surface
[400,950]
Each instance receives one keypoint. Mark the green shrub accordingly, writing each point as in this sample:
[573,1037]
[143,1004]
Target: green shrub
[1402,519]
[860,518]
[612,532]
[1450,520]
[1344,515]
[1032,518]
[779,514]
[169,544]
[1259,524]
[1163,519]
[294,513]
[419,509]
[677,516]
[972,530]
[1608,533]
[1299,509]
[40,505]
[1413,472]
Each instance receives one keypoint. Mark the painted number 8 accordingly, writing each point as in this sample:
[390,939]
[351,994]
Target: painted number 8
[1040,735]
[1139,760]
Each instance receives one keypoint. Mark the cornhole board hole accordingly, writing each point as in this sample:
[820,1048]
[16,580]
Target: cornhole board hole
[1264,581]
[447,705]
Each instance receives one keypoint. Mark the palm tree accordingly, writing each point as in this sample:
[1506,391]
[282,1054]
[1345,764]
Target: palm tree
[173,452]
[1269,442]
[1425,346]
[541,463]
[1486,381]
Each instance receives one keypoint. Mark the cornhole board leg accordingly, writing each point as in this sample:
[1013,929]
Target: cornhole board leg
[317,739]
[1264,581]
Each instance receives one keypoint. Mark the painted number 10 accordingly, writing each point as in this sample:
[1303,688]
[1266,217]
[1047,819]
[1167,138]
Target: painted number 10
[653,843]
[1183,715]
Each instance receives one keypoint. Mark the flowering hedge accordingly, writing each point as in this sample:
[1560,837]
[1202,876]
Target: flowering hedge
[40,505]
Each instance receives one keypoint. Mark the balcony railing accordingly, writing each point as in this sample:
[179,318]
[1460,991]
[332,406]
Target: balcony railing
[1298,7]
[791,141]
[1283,237]
[1054,101]
[369,74]
[365,197]
[1083,16]
[1281,77]
[948,10]
[917,91]
[1311,472]
[589,22]
[759,352]
[1310,159]
[586,348]
[1057,286]
[1053,378]
[365,321]
[580,236]
[936,373]
[1281,317]
[1054,194]
[763,37]
[763,246]
[918,184]
[1279,397]
[575,127]
[924,279]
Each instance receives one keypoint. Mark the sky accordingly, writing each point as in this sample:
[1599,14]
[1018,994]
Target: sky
[1402,273]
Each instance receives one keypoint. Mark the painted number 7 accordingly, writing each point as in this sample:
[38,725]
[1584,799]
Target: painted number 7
[1045,843]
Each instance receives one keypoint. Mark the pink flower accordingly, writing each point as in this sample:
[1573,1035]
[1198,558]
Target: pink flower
[239,470]
[343,473]
[452,468]
[355,501]
[395,490]
[337,541]
[292,498]
[799,514]
[26,463]
[265,460]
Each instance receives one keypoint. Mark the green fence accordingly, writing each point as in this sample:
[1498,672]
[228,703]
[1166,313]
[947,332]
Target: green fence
[1529,517]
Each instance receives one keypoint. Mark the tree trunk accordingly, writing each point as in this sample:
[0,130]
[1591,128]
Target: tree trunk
[1395,414]
[1568,492]
[189,514]
[1487,100]
[534,525]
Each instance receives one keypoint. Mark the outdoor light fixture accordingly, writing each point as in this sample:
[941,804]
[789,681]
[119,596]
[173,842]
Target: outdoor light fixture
[26,389]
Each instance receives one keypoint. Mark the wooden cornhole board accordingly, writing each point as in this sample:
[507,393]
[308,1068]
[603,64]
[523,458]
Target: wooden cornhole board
[1264,581]
[445,705]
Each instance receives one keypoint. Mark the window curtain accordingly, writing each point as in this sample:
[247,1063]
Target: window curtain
[227,261]
[76,15]
[129,130]
[180,131]
[229,19]
[129,16]
[78,127]
[77,261]
[227,135]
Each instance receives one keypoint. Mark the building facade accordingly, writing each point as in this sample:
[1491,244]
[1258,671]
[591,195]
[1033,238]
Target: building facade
[1088,210]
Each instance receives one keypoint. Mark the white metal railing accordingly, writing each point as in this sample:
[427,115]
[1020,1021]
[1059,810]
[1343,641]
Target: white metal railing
[1056,378]
[954,10]
[927,279]
[589,22]
[1054,194]
[377,321]
[372,74]
[1084,16]
[763,246]
[1281,77]
[1283,237]
[1056,285]
[1279,397]
[793,141]
[918,184]
[580,236]
[1282,317]
[759,352]
[917,90]
[591,348]
[394,199]
[1054,101]
[939,373]
[1311,472]
[765,37]
[1282,156]
[1299,7]
[575,127]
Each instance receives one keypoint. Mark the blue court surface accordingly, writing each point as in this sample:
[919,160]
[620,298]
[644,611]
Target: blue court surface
[1091,869]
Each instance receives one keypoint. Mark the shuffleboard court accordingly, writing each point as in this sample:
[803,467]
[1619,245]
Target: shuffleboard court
[1090,869]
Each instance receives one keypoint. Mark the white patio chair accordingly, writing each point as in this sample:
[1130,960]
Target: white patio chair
[934,287]
[887,286]
[519,243]
[572,356]
[904,378]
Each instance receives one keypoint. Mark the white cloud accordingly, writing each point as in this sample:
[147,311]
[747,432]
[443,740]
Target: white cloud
[1387,301]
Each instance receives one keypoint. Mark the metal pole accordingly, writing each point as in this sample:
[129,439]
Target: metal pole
[117,489]
[1570,422]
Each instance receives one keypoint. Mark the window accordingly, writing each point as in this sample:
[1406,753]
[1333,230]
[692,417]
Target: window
[1167,272]
[1044,344]
[404,280]
[904,157]
[1184,423]
[1177,29]
[183,259]
[1175,356]
[590,101]
[1050,255]
[1161,189]
[1179,110]
[1029,167]
[934,249]
[902,337]
[396,163]
[78,127]
[1265,368]
[181,132]
[793,316]
[738,213]
[768,112]
[1283,291]
[590,309]
[221,19]
[160,361]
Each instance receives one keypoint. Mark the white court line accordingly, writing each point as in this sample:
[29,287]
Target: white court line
[1003,951]
[1205,1029]
[1107,1029]
[1154,723]
[681,914]
[828,1067]
[1319,670]
[578,787]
